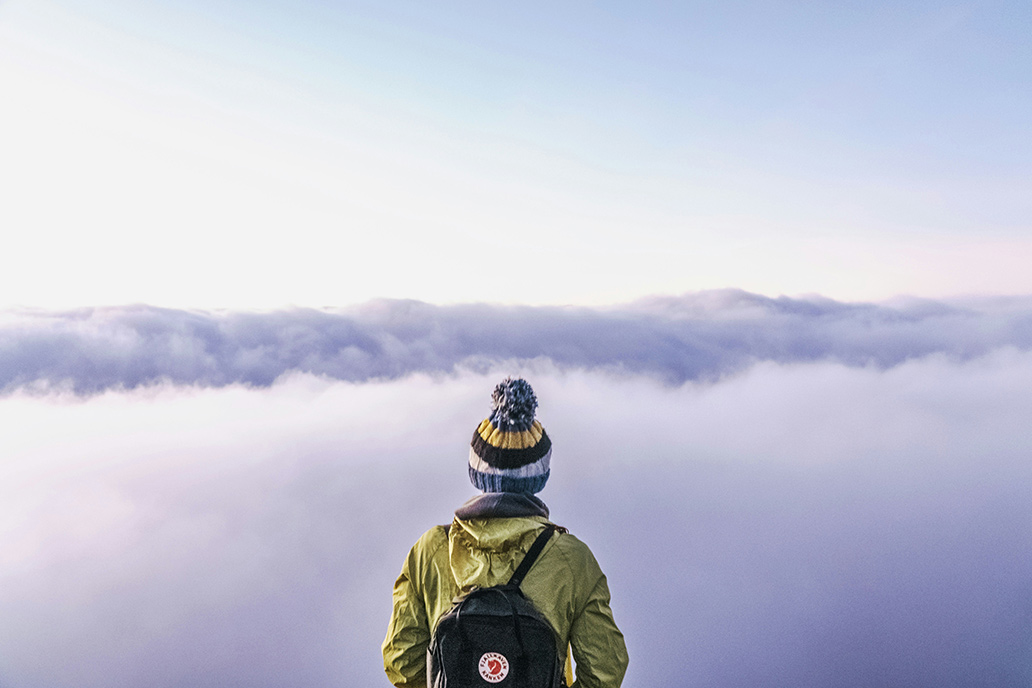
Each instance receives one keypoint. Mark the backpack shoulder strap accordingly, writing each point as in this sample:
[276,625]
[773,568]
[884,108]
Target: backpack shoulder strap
[532,555]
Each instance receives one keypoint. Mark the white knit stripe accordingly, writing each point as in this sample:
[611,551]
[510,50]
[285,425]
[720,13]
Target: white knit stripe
[531,470]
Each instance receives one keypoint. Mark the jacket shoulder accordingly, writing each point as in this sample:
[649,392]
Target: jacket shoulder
[577,554]
[429,545]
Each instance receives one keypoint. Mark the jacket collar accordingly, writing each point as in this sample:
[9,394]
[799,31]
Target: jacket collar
[502,505]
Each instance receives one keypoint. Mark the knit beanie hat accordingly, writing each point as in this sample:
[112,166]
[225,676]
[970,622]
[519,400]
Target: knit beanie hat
[510,451]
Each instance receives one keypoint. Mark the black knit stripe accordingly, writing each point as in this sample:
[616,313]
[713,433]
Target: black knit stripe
[510,458]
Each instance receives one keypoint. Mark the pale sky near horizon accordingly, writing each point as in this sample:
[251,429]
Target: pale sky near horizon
[257,155]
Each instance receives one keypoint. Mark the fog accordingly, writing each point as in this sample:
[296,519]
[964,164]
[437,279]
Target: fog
[787,523]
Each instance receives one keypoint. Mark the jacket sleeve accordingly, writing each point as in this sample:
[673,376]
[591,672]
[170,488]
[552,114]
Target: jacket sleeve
[598,645]
[408,634]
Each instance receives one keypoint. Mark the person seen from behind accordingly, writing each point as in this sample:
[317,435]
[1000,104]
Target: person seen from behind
[486,542]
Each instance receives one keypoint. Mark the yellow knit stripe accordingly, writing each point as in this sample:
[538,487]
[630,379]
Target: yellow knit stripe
[509,440]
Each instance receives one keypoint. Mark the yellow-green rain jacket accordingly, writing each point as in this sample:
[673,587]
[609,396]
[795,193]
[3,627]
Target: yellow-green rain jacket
[565,584]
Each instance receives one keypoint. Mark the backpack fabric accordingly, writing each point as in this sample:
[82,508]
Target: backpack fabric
[494,637]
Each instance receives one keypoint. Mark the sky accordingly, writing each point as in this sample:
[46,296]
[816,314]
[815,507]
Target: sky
[764,263]
[261,155]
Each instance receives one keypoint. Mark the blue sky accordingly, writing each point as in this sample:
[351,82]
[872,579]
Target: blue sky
[255,155]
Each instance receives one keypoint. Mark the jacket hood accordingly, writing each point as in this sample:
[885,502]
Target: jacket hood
[485,549]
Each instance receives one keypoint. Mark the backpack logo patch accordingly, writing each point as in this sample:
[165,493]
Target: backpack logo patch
[494,667]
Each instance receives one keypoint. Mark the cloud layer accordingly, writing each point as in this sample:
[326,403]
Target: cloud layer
[703,336]
[794,525]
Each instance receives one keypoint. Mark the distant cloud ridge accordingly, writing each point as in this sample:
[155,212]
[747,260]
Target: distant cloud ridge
[695,337]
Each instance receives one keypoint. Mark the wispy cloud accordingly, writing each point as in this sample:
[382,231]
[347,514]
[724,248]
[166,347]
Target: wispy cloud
[702,336]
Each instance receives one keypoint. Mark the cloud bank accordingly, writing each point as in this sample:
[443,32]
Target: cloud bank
[703,336]
[815,524]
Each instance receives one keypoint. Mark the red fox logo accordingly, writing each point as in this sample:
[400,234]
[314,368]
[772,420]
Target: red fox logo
[494,667]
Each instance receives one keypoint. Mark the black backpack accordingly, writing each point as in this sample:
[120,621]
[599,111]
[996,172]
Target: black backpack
[494,637]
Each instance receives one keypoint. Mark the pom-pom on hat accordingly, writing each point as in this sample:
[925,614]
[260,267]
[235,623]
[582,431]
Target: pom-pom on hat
[510,451]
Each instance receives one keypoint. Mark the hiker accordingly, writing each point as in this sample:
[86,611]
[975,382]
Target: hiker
[484,545]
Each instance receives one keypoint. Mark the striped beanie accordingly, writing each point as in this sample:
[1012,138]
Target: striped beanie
[510,451]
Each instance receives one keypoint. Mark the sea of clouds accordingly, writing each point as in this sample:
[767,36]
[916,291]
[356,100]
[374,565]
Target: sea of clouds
[701,336]
[782,492]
